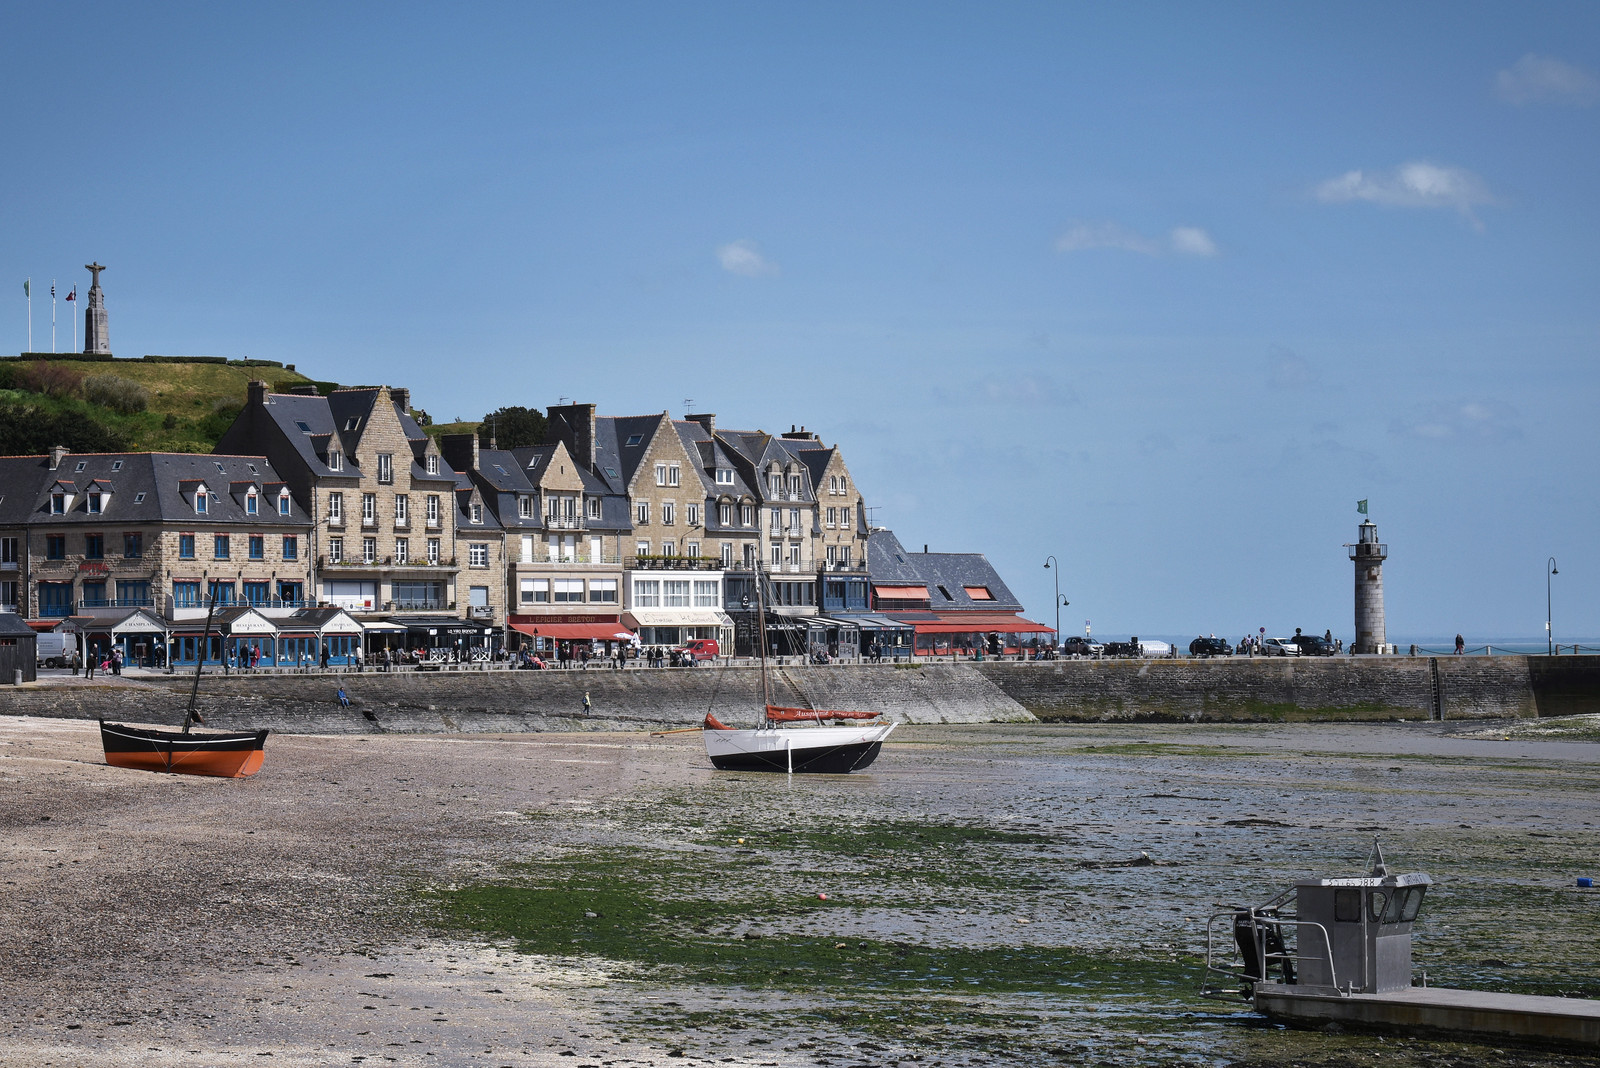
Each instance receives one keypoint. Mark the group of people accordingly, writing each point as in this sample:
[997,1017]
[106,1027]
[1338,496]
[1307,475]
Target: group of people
[109,662]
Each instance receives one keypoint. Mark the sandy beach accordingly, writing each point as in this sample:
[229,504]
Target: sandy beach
[300,916]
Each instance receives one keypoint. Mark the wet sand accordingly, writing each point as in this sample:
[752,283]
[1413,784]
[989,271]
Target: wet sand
[288,918]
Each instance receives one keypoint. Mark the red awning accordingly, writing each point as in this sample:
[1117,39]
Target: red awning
[982,623]
[902,593]
[597,631]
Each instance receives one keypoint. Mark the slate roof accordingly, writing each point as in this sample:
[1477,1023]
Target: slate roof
[12,625]
[311,424]
[166,482]
[888,563]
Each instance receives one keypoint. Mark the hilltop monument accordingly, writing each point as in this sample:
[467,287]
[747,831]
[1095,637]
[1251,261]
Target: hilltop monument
[95,338]
[1369,553]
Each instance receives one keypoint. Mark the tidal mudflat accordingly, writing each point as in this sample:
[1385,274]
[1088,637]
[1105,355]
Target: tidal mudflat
[995,894]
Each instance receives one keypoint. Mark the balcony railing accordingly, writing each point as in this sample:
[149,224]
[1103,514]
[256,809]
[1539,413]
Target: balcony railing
[575,560]
[561,522]
[420,604]
[117,602]
[382,562]
[674,563]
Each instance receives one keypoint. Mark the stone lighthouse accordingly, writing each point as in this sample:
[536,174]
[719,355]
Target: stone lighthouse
[1369,554]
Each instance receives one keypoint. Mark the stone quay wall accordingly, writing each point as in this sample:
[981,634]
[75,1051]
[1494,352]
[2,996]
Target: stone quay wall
[1234,689]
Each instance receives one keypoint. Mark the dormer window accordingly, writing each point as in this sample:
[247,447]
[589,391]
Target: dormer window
[283,503]
[525,506]
[433,465]
[94,500]
[202,501]
[335,461]
[477,512]
[252,504]
[724,476]
[58,504]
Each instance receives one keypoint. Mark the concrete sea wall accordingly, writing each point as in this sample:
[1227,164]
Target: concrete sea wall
[966,692]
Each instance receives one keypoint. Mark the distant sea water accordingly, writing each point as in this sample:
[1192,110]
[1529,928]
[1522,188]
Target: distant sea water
[1432,644]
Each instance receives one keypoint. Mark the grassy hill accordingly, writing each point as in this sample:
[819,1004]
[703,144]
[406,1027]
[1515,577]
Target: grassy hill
[141,405]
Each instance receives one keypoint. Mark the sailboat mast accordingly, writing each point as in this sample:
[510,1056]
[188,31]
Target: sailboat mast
[761,638]
[200,658]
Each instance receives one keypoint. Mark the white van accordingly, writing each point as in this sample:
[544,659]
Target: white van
[55,650]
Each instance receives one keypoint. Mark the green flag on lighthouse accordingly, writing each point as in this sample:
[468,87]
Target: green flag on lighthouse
[26,286]
[1361,506]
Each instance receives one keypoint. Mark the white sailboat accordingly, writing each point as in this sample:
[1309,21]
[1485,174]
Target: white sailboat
[780,743]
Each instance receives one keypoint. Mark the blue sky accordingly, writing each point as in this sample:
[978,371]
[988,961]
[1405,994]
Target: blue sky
[1159,289]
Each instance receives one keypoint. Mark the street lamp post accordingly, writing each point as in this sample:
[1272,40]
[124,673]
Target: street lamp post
[1055,574]
[1549,635]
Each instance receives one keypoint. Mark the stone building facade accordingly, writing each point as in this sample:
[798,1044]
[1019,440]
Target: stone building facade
[156,531]
[397,530]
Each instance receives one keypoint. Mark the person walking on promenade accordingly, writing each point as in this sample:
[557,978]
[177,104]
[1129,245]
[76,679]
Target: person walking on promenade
[116,661]
[77,660]
[586,702]
[1461,645]
[324,656]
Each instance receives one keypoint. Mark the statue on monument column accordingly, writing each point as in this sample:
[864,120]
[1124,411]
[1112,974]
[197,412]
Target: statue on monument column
[95,336]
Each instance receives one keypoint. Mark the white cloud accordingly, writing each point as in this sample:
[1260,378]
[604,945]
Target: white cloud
[742,257]
[1182,240]
[1464,420]
[1411,185]
[1192,241]
[1540,79]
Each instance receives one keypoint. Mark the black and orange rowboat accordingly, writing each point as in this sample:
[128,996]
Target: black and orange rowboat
[230,755]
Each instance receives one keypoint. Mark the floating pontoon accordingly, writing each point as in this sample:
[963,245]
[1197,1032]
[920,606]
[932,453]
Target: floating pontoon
[1342,955]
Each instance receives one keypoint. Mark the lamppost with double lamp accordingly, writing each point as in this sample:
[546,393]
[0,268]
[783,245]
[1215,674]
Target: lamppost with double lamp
[1549,635]
[1055,574]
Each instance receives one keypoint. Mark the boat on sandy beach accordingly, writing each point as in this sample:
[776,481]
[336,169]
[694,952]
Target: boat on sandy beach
[228,754]
[779,743]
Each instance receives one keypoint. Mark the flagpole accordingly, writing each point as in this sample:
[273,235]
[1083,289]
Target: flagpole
[74,300]
[27,291]
[52,315]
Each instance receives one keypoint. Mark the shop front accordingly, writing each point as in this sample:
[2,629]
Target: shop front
[141,636]
[304,633]
[240,638]
[545,634]
[436,640]
[978,634]
[671,627]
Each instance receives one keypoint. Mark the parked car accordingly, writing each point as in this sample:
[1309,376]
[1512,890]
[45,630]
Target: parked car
[1210,647]
[1313,645]
[700,649]
[1128,648]
[1279,647]
[1076,646]
[1134,647]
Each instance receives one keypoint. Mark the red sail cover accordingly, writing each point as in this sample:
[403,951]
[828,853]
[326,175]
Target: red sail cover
[793,715]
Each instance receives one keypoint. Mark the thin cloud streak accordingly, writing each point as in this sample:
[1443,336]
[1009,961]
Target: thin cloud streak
[1181,240]
[1411,185]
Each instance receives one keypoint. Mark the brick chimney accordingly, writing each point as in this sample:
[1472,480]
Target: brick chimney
[401,397]
[258,393]
[460,451]
[57,454]
[574,425]
[705,419]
